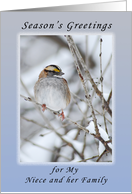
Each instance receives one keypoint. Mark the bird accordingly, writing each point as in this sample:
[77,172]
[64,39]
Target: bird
[51,90]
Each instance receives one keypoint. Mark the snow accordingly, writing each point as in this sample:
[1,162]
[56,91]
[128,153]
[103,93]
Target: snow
[103,134]
[76,158]
[77,145]
[36,153]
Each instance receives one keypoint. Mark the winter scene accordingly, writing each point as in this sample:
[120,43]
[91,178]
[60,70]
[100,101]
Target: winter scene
[66,98]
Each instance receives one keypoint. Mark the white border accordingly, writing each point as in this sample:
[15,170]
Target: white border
[113,103]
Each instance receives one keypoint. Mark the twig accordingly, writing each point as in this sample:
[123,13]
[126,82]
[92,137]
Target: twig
[101,80]
[107,64]
[103,72]
[82,100]
[43,126]
[102,115]
[75,123]
[110,95]
[78,106]
[31,100]
[76,136]
[68,143]
[88,158]
[94,109]
[86,55]
[42,147]
[78,59]
[71,145]
[30,120]
[101,155]
[103,142]
[25,87]
[57,113]
[74,49]
[78,125]
[95,46]
[84,145]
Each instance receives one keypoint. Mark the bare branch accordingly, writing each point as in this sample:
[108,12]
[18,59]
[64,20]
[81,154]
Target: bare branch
[77,57]
[74,52]
[103,142]
[88,158]
[30,120]
[86,55]
[25,87]
[42,147]
[101,155]
[110,95]
[101,80]
[94,109]
[82,100]
[84,145]
[83,128]
[75,123]
[107,64]
[102,115]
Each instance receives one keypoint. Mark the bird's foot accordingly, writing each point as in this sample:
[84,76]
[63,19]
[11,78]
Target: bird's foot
[43,107]
[61,115]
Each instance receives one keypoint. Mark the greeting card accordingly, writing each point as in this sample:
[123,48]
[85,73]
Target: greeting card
[65,101]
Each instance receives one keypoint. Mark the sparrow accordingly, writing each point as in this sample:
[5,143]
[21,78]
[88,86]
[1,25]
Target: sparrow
[51,90]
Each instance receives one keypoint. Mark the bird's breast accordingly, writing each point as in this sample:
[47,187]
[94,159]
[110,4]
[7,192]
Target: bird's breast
[52,92]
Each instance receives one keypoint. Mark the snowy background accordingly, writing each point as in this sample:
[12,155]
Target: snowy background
[66,143]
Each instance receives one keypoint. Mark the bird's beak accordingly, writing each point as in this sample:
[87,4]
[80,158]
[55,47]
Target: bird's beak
[61,73]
